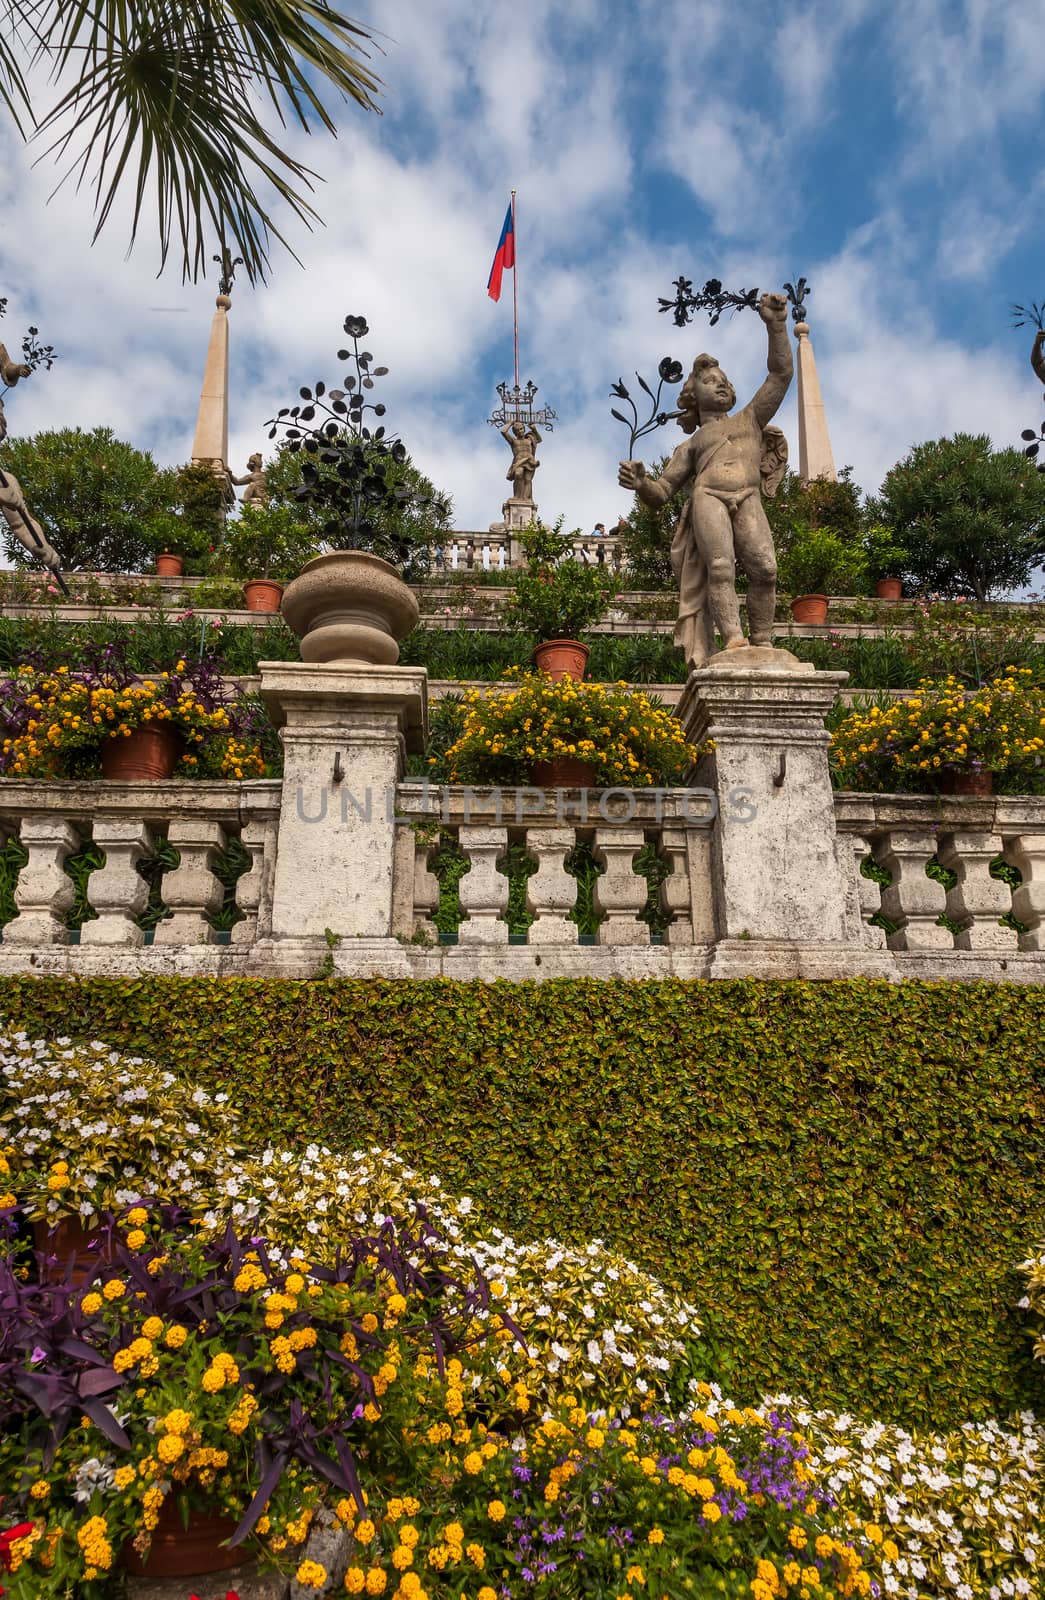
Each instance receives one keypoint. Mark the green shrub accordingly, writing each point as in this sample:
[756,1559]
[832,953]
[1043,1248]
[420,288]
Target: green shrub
[843,1176]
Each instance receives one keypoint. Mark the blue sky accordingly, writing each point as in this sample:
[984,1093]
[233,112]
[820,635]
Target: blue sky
[891,152]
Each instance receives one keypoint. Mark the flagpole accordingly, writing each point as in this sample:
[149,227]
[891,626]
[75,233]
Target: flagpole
[515,291]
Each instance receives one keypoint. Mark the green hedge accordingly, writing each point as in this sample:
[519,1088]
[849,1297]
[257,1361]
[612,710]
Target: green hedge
[844,1176]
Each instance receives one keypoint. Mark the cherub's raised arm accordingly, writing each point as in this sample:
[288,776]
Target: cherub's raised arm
[772,308]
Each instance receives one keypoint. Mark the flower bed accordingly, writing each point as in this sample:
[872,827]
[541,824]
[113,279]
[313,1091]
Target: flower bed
[56,725]
[628,738]
[943,731]
[348,1356]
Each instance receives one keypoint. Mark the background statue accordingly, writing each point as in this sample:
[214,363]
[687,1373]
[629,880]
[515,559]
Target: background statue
[10,372]
[523,444]
[256,479]
[728,463]
[24,526]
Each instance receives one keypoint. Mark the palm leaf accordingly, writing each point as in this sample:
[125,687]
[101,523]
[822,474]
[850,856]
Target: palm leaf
[170,100]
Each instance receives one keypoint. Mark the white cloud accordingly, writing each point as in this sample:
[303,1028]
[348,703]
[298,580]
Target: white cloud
[582,108]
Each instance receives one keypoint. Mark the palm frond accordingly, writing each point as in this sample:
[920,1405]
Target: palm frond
[166,99]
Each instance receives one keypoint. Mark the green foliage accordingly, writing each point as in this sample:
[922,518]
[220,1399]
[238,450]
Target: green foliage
[193,524]
[844,1174]
[798,506]
[885,556]
[99,501]
[971,518]
[416,521]
[821,561]
[646,537]
[171,105]
[557,597]
[272,541]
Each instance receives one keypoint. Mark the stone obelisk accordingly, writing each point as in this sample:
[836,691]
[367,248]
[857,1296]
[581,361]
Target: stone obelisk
[815,459]
[210,446]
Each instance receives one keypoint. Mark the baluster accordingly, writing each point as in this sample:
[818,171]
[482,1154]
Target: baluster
[44,891]
[486,557]
[191,889]
[117,891]
[868,892]
[912,900]
[455,556]
[620,892]
[254,887]
[425,885]
[977,900]
[500,558]
[415,890]
[551,892]
[1027,853]
[483,890]
[676,891]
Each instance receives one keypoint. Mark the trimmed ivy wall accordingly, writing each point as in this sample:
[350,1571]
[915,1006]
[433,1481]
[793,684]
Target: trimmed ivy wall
[843,1176]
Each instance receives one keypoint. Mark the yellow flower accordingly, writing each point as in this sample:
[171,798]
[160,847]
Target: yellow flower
[311,1575]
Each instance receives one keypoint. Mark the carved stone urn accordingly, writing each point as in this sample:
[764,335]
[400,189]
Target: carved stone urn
[348,605]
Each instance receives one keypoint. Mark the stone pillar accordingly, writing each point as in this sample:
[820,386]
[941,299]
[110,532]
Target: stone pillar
[780,895]
[346,729]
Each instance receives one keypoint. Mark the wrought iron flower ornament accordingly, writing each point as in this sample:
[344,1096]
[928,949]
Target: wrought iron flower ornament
[350,468]
[669,371]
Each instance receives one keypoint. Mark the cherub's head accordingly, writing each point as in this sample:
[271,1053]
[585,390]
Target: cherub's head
[254,464]
[518,430]
[706,392]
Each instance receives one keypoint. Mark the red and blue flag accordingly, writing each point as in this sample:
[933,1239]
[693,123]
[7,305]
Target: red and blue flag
[505,257]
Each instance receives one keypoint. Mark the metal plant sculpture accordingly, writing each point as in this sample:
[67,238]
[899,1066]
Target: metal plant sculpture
[714,299]
[1024,316]
[350,469]
[669,371]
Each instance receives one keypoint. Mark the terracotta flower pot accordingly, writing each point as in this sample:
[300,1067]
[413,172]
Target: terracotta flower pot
[169,566]
[977,780]
[180,1552]
[262,594]
[145,755]
[561,658]
[563,772]
[348,605]
[809,608]
[64,1239]
[889,588]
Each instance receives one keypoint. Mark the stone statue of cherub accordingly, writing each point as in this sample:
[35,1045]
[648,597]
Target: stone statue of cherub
[729,461]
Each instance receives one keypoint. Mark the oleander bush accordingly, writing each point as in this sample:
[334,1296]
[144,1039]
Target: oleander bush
[842,1176]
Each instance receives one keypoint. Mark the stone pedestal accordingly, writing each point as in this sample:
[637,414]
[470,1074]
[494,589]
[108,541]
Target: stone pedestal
[780,887]
[346,730]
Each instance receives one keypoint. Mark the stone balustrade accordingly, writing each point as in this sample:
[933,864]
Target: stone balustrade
[954,886]
[345,868]
[496,551]
[181,827]
[639,862]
